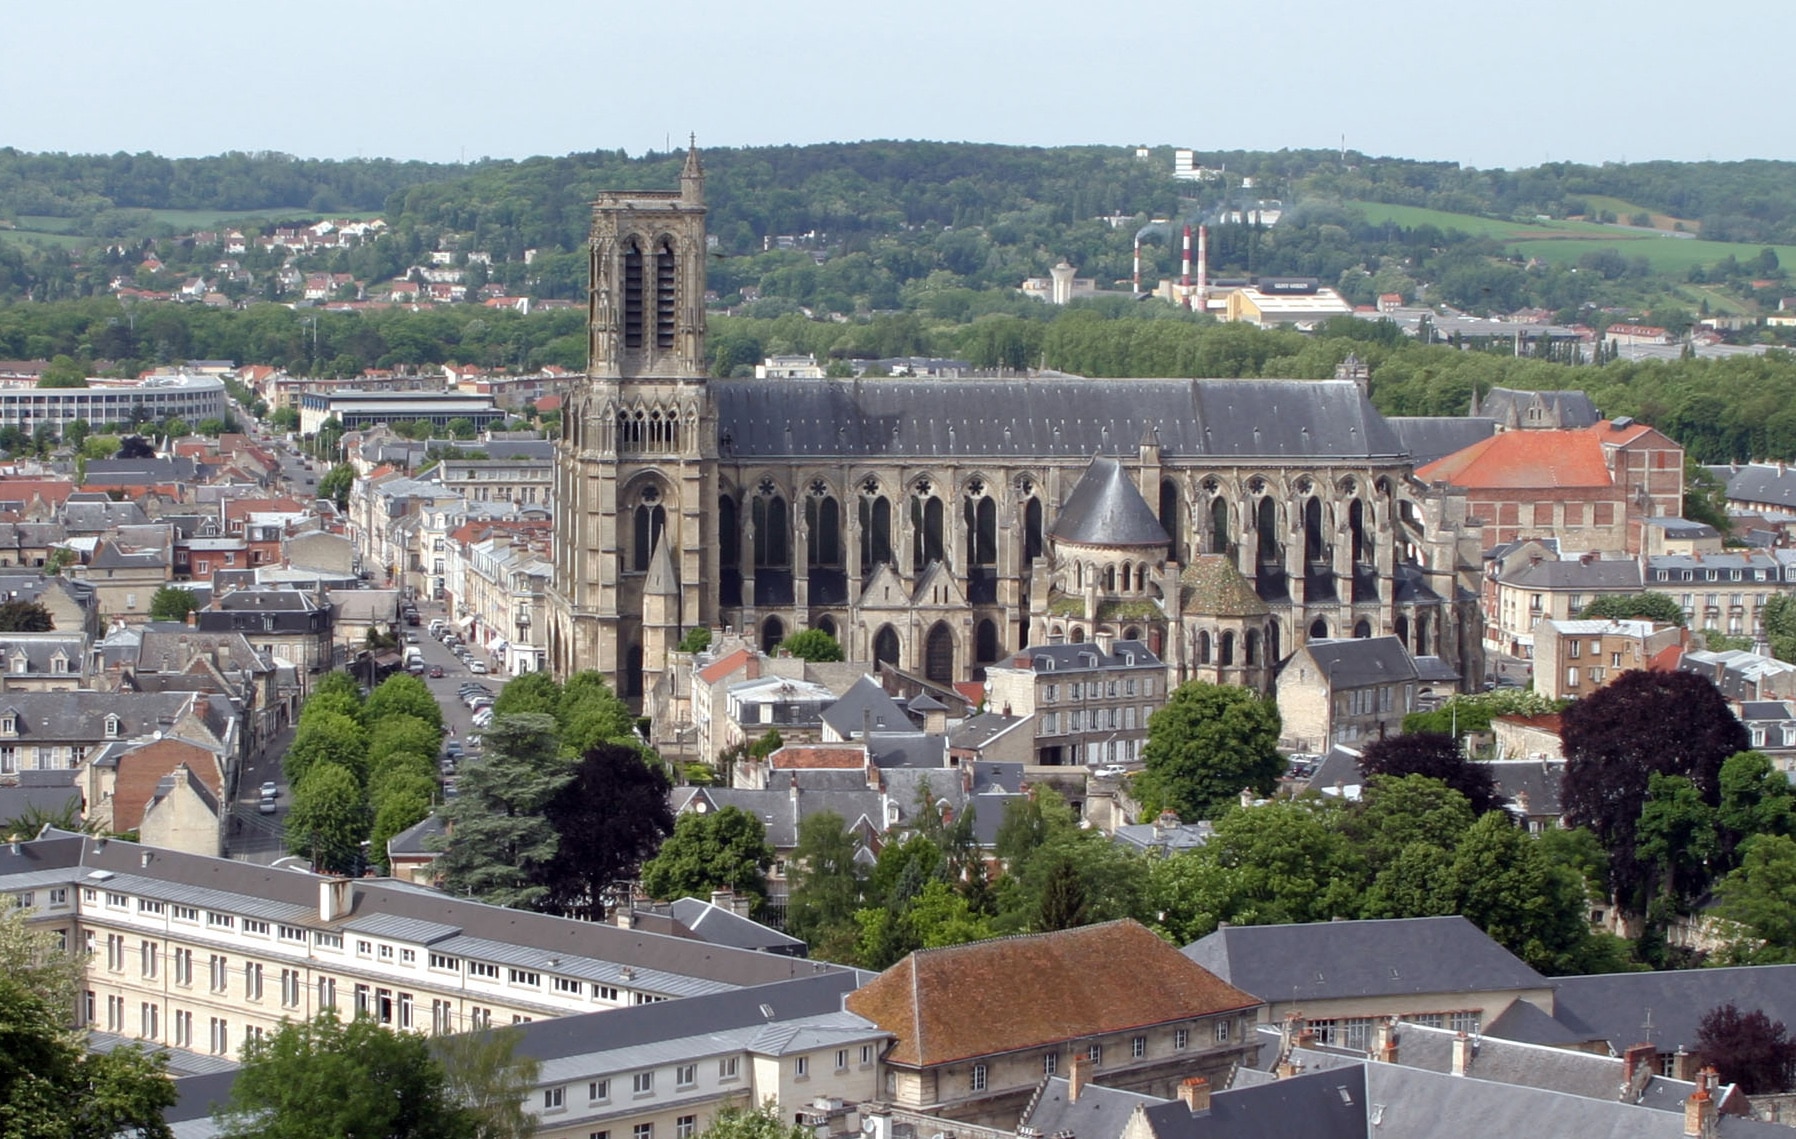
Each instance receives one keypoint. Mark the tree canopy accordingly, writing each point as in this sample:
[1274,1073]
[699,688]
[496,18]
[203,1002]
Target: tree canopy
[1747,1048]
[813,645]
[1436,756]
[172,603]
[720,850]
[1660,607]
[608,818]
[501,839]
[21,616]
[1208,744]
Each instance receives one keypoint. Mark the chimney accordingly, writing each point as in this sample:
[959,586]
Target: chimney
[193,618]
[1699,1109]
[866,724]
[336,897]
[1462,1054]
[1306,1037]
[754,666]
[1195,1092]
[625,917]
[1384,1050]
[1637,1067]
[1105,639]
[1076,1075]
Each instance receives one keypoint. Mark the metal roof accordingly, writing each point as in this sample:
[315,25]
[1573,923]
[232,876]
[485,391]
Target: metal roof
[1106,509]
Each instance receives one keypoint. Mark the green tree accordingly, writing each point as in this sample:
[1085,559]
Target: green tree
[1206,745]
[490,1080]
[532,692]
[403,694]
[461,428]
[724,850]
[825,880]
[356,1080]
[172,603]
[1677,835]
[326,737]
[20,616]
[34,957]
[1438,757]
[62,372]
[591,714]
[813,645]
[1779,614]
[696,640]
[1660,607]
[610,816]
[336,485]
[501,840]
[52,1087]
[1760,897]
[763,1122]
[400,734]
[328,820]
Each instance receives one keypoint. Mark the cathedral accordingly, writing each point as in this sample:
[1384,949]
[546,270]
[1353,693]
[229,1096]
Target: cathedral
[938,526]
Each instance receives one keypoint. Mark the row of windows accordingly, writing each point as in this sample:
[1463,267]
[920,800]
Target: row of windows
[1079,690]
[1094,1053]
[1095,719]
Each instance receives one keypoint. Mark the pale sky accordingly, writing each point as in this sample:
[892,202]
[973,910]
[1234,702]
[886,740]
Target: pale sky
[1488,84]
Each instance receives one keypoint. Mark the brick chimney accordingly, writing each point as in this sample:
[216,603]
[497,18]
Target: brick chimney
[1384,1050]
[1195,1092]
[1077,1072]
[753,669]
[1462,1054]
[1637,1067]
[1699,1109]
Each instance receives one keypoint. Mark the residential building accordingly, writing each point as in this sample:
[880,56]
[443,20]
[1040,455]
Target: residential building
[358,409]
[286,624]
[523,481]
[1091,701]
[1341,977]
[104,401]
[973,1036]
[1345,691]
[44,662]
[1575,658]
[1725,590]
[1548,589]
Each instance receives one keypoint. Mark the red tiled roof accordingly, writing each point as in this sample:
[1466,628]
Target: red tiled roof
[1667,659]
[972,690]
[717,670]
[1013,993]
[1524,460]
[549,403]
[815,756]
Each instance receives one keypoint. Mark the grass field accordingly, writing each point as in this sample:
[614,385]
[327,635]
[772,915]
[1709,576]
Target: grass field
[46,230]
[1625,210]
[47,240]
[1563,242]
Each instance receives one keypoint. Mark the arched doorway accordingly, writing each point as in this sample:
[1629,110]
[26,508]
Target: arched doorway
[828,625]
[773,631]
[1363,629]
[938,654]
[1318,630]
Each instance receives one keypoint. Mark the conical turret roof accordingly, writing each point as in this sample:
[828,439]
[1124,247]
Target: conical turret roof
[661,581]
[1105,509]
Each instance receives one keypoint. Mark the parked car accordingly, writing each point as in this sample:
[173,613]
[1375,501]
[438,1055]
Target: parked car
[271,790]
[483,718]
[411,638]
[266,806]
[477,668]
[435,672]
[453,751]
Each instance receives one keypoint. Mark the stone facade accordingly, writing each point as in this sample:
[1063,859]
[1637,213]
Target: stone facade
[920,521]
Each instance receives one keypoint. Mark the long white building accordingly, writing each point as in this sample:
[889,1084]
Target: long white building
[191,397]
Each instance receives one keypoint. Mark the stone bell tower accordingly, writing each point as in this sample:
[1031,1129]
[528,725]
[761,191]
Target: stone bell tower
[634,462]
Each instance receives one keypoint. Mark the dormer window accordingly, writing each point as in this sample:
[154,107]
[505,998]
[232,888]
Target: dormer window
[9,724]
[112,727]
[59,663]
[20,663]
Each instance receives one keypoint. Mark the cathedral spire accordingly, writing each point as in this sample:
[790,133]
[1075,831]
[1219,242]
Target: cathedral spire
[692,175]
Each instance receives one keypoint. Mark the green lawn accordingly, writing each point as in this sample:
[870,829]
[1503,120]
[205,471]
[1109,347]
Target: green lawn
[46,240]
[1563,242]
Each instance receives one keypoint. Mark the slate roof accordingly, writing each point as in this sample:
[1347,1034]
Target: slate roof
[1505,1061]
[978,731]
[1429,437]
[1211,586]
[1391,957]
[1061,417]
[848,715]
[1613,1006]
[898,751]
[39,648]
[1772,484]
[1539,779]
[1086,656]
[720,926]
[1527,1023]
[1573,407]
[423,837]
[773,806]
[79,717]
[1358,661]
[1595,574]
[1681,527]
[1329,1104]
[984,998]
[1099,1112]
[661,581]
[1106,509]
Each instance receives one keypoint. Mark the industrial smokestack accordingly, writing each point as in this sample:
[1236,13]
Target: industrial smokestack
[1185,261]
[1203,267]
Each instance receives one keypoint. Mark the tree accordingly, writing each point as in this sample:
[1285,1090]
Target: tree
[501,841]
[1779,615]
[52,1087]
[35,958]
[1206,745]
[356,1080]
[172,603]
[1747,1048]
[724,850]
[591,714]
[1662,608]
[609,817]
[532,692]
[336,485]
[1672,723]
[135,447]
[824,879]
[62,372]
[1438,757]
[490,1080]
[461,427]
[696,640]
[1760,896]
[763,1122]
[21,616]
[326,737]
[403,694]
[813,645]
[328,820]
[400,734]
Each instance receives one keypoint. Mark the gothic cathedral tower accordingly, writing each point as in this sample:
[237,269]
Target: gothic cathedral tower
[635,464]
